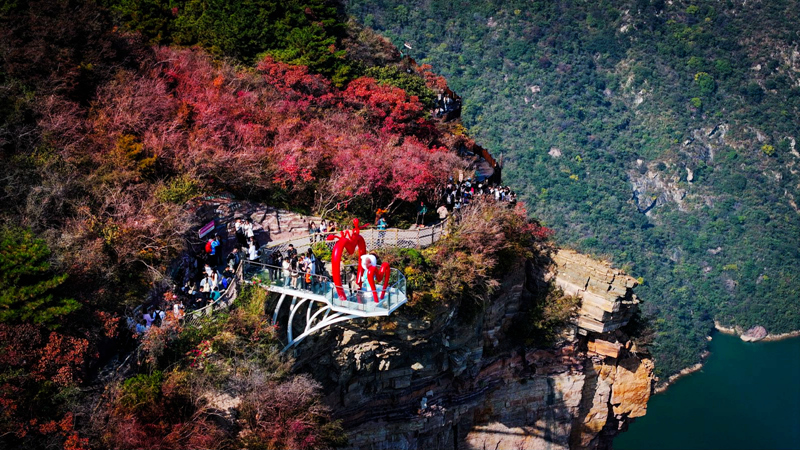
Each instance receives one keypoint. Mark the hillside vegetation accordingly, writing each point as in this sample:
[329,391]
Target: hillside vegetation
[660,134]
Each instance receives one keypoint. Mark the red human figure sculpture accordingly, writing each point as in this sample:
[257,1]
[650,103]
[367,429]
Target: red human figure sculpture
[352,241]
[381,273]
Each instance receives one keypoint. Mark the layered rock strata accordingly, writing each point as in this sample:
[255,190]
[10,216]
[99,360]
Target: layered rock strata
[607,298]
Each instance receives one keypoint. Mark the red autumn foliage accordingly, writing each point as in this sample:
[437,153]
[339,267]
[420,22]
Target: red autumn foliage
[389,106]
[286,415]
[295,81]
[160,413]
[434,81]
[62,360]
[190,116]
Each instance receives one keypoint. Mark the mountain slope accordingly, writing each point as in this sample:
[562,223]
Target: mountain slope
[662,135]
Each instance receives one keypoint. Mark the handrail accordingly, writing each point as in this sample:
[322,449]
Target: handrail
[322,279]
[418,238]
[229,291]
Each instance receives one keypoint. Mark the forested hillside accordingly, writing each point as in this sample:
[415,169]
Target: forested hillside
[661,134]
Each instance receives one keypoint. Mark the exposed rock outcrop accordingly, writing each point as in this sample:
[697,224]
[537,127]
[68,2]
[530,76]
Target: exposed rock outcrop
[607,299]
[444,384]
[756,333]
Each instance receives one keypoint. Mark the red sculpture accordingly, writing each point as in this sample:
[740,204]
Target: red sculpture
[382,273]
[352,241]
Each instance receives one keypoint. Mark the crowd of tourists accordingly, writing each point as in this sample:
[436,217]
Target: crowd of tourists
[445,104]
[203,278]
[319,232]
[169,309]
[301,271]
[459,194]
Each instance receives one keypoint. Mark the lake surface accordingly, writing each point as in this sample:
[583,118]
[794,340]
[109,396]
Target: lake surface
[747,396]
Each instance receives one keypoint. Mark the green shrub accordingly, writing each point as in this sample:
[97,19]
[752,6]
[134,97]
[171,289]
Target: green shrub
[412,84]
[27,284]
[705,82]
[141,394]
[322,251]
[178,191]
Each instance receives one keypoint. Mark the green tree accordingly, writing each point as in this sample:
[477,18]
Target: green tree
[27,282]
[706,82]
[152,18]
[412,84]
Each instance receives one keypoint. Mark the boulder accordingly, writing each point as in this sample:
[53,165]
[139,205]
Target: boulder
[756,333]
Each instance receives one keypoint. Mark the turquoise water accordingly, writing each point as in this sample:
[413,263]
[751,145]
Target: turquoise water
[747,396]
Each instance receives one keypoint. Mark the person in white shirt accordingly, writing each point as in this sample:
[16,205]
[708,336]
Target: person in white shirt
[248,229]
[442,212]
[286,265]
[252,251]
[177,310]
[214,281]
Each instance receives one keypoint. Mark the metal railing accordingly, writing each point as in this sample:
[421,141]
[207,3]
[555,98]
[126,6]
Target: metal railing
[223,301]
[374,238]
[324,286]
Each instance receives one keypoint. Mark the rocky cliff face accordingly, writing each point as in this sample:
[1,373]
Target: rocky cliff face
[607,299]
[444,384]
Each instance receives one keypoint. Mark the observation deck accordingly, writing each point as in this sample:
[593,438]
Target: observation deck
[308,307]
[320,301]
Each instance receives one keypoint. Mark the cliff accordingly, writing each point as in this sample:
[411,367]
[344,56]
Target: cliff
[441,383]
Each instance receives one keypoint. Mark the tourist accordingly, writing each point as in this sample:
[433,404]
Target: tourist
[233,258]
[312,231]
[274,263]
[331,227]
[442,211]
[214,253]
[382,226]
[301,270]
[149,317]
[214,281]
[291,252]
[252,250]
[178,310]
[286,265]
[209,249]
[294,273]
[323,229]
[421,211]
[249,232]
[352,280]
[141,327]
[312,258]
[312,271]
[158,316]
[308,276]
[241,239]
